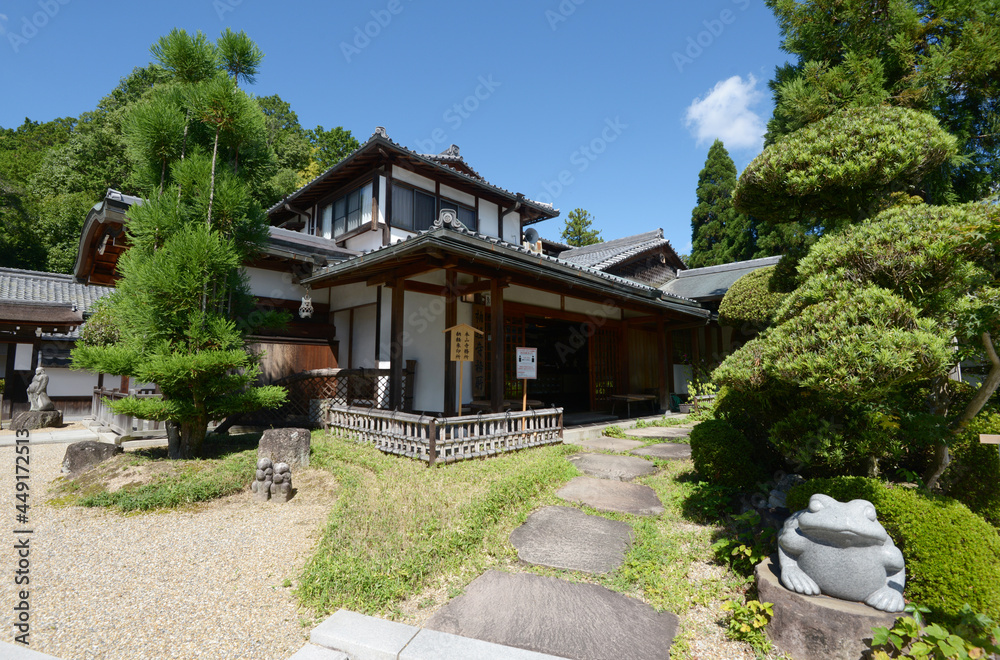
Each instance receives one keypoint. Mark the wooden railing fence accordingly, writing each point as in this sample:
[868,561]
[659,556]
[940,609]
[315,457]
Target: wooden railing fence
[447,439]
[123,425]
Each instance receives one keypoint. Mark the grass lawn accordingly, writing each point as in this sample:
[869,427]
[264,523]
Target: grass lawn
[144,480]
[402,539]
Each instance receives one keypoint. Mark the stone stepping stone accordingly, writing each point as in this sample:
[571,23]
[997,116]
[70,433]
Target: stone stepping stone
[609,444]
[564,537]
[616,496]
[668,450]
[544,614]
[616,468]
[659,432]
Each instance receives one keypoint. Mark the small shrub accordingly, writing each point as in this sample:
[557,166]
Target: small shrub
[951,554]
[911,637]
[750,303]
[745,544]
[723,456]
[747,623]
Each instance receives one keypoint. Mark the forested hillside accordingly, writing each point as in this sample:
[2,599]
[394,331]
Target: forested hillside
[52,172]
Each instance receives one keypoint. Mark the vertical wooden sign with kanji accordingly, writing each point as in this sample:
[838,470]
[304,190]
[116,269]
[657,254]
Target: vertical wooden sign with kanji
[461,349]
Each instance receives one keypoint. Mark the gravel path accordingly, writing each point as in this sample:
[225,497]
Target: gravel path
[205,582]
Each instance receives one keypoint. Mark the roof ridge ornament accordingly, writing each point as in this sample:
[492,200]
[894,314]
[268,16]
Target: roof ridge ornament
[451,151]
[448,219]
[380,131]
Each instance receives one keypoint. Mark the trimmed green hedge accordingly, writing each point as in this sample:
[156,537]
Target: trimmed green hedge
[750,304]
[723,456]
[952,555]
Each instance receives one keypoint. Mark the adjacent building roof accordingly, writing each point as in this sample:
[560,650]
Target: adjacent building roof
[453,159]
[450,167]
[297,246]
[35,287]
[455,238]
[712,282]
[611,253]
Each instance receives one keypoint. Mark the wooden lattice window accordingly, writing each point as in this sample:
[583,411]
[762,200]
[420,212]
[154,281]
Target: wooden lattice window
[607,366]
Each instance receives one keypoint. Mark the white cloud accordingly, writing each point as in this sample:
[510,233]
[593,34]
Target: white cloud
[725,114]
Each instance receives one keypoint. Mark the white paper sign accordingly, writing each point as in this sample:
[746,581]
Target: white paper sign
[527,363]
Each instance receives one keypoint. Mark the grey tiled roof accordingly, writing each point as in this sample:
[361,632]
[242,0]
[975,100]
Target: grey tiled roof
[607,254]
[440,230]
[713,281]
[439,159]
[32,286]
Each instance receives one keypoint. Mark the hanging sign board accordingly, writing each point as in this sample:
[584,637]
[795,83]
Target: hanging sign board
[989,439]
[527,363]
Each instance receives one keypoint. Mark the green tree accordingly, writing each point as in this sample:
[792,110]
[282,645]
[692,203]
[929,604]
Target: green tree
[719,234]
[331,146]
[182,284]
[938,56]
[854,372]
[577,231]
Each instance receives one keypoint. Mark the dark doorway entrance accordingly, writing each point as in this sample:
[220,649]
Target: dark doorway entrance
[563,363]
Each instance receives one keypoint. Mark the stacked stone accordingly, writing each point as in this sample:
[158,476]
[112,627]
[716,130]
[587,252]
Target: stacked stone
[264,480]
[281,488]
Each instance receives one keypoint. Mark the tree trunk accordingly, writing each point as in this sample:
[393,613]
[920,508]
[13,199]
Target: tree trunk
[184,144]
[211,189]
[173,440]
[942,457]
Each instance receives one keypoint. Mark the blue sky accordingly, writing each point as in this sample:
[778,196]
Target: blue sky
[610,107]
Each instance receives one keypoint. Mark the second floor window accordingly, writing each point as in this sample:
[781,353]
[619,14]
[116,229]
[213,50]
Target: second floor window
[415,210]
[347,213]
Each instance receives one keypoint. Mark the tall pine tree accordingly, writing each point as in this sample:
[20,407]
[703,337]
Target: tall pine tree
[719,234]
[577,231]
[201,141]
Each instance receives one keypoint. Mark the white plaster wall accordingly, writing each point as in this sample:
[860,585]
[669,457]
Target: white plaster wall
[512,228]
[381,198]
[369,240]
[488,218]
[351,295]
[608,311]
[396,235]
[363,351]
[67,382]
[423,341]
[342,322]
[519,294]
[458,195]
[273,284]
[413,179]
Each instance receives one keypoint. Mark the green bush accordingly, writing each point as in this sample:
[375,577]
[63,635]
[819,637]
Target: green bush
[750,304]
[952,555]
[974,474]
[722,455]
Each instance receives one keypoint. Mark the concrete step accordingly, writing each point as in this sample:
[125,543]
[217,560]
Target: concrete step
[313,652]
[363,637]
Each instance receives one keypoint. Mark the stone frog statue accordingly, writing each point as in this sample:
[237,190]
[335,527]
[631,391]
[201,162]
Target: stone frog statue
[841,550]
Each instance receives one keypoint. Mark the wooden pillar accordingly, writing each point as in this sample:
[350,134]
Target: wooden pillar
[378,325]
[671,386]
[718,336]
[695,351]
[626,371]
[450,320]
[396,345]
[662,366]
[496,341]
